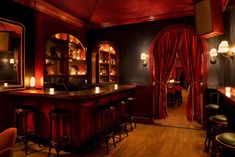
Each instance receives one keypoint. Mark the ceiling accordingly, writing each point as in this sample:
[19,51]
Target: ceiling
[105,13]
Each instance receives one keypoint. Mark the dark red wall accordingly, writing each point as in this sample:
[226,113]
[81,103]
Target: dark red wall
[45,27]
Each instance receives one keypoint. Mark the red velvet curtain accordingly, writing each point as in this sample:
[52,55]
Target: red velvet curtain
[162,59]
[183,40]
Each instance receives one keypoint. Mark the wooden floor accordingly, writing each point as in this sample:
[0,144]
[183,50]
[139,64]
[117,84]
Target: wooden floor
[144,141]
[177,115]
[171,137]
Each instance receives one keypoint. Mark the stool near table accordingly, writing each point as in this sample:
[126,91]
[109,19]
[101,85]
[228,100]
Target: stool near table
[130,101]
[225,144]
[211,109]
[21,122]
[104,125]
[219,124]
[120,123]
[60,119]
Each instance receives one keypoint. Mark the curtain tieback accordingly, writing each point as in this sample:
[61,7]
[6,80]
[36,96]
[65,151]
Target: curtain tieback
[193,84]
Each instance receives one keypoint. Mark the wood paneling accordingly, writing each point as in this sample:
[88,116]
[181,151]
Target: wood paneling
[209,19]
[45,27]
[7,104]
[143,109]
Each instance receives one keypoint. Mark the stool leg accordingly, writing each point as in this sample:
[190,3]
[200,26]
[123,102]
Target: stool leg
[125,128]
[25,133]
[50,140]
[57,145]
[71,133]
[130,121]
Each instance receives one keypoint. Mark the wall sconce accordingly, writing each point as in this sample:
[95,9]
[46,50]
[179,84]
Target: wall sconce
[223,49]
[213,53]
[144,58]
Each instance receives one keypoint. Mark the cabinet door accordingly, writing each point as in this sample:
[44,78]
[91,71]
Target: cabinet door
[107,64]
[65,61]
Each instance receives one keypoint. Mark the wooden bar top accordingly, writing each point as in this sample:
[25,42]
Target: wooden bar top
[81,94]
[230,96]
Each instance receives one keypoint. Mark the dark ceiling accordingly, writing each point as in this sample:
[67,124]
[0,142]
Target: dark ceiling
[106,13]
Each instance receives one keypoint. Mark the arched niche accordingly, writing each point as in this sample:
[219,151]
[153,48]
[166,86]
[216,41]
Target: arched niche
[65,62]
[12,50]
[105,63]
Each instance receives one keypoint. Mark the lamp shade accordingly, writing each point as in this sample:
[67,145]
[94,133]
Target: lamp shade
[223,47]
[213,52]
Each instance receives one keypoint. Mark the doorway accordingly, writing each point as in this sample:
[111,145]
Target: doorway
[183,41]
[177,100]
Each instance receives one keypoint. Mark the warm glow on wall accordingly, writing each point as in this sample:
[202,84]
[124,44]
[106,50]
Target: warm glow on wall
[27,81]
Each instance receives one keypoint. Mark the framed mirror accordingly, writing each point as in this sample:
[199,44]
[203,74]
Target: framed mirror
[12,47]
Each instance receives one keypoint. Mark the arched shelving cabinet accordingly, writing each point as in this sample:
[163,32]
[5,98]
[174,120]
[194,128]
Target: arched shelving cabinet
[105,63]
[65,62]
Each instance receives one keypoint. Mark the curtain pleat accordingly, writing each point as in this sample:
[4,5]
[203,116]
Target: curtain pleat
[183,40]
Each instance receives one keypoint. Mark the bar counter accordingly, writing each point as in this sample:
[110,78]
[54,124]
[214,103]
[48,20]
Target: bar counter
[81,103]
[229,96]
[82,94]
[227,106]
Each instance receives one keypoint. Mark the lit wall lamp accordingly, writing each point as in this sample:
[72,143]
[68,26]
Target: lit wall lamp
[213,53]
[144,58]
[223,49]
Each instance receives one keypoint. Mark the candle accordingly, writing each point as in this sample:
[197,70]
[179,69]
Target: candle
[32,82]
[116,86]
[97,89]
[5,84]
[51,90]
[227,89]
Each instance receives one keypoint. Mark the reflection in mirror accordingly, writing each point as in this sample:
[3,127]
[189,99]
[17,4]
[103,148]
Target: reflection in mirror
[11,54]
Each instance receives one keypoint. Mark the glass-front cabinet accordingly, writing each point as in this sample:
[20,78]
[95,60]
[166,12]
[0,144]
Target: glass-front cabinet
[65,62]
[107,57]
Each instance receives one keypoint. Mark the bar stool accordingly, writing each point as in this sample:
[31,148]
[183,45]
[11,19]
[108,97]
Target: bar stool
[210,110]
[60,118]
[120,119]
[21,116]
[130,117]
[219,125]
[225,144]
[104,125]
[213,107]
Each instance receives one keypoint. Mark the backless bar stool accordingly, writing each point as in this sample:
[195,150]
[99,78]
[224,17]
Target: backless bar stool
[225,144]
[219,124]
[130,117]
[210,110]
[58,140]
[21,117]
[120,120]
[104,125]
